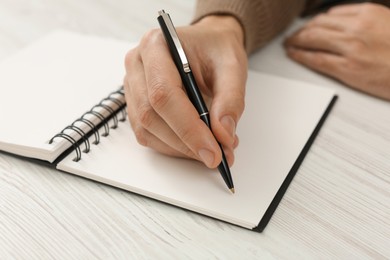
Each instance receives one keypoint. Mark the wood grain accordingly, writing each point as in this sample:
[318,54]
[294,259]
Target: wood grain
[337,207]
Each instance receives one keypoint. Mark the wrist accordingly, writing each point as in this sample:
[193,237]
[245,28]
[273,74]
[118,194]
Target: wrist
[224,23]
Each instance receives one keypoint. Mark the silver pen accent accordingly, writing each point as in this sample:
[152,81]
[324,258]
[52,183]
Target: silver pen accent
[176,41]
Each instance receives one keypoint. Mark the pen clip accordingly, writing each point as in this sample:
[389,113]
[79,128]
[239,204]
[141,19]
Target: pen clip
[176,41]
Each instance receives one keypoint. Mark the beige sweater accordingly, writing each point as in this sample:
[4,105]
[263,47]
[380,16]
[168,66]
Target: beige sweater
[260,19]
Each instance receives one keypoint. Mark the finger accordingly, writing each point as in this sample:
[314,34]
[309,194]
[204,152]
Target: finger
[145,138]
[236,142]
[169,100]
[320,39]
[337,23]
[152,122]
[345,9]
[144,118]
[326,63]
[228,100]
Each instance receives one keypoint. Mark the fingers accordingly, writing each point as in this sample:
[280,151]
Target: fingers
[145,138]
[223,79]
[319,38]
[229,101]
[168,99]
[326,63]
[337,23]
[327,43]
[144,117]
[160,112]
[149,129]
[346,9]
[346,43]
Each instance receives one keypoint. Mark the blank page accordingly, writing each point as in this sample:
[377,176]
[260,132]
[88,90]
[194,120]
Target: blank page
[279,118]
[52,82]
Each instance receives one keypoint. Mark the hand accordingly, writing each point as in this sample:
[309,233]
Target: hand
[160,113]
[350,43]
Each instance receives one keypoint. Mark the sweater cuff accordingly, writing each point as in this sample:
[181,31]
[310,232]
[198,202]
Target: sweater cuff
[237,9]
[257,17]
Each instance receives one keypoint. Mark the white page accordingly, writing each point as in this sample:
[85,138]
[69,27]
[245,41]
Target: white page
[48,85]
[279,118]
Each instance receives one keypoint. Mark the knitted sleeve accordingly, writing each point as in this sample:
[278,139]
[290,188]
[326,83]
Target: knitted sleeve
[260,19]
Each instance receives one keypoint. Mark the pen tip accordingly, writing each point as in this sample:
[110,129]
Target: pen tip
[232,190]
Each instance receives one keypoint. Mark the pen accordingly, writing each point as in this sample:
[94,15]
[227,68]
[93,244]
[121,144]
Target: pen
[190,85]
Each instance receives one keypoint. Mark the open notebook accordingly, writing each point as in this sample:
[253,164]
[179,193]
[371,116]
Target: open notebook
[62,96]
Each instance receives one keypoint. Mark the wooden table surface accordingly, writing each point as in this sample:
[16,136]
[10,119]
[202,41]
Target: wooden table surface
[338,205]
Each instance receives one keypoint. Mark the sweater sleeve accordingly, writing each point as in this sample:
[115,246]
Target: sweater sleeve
[261,19]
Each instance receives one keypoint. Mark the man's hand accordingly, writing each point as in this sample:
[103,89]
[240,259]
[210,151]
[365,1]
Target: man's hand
[350,43]
[159,110]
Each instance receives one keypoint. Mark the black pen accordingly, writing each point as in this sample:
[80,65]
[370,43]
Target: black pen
[190,85]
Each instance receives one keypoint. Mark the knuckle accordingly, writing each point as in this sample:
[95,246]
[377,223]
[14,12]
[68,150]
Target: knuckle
[317,19]
[158,94]
[151,38]
[368,8]
[309,34]
[141,136]
[357,46]
[359,25]
[365,21]
[145,115]
[130,57]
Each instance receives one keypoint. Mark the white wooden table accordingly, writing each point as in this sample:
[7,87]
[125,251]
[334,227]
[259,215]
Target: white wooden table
[338,205]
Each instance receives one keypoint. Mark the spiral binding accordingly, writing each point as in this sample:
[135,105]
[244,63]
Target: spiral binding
[94,128]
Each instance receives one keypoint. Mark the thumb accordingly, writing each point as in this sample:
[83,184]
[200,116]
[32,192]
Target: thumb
[228,105]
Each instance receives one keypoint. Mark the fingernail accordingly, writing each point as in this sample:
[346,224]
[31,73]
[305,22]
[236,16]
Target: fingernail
[206,156]
[230,125]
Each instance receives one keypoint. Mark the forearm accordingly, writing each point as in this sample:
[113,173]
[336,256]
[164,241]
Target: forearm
[261,20]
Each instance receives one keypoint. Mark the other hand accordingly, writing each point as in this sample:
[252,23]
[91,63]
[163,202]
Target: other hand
[350,43]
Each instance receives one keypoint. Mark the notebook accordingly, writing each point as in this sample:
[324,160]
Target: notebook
[62,104]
